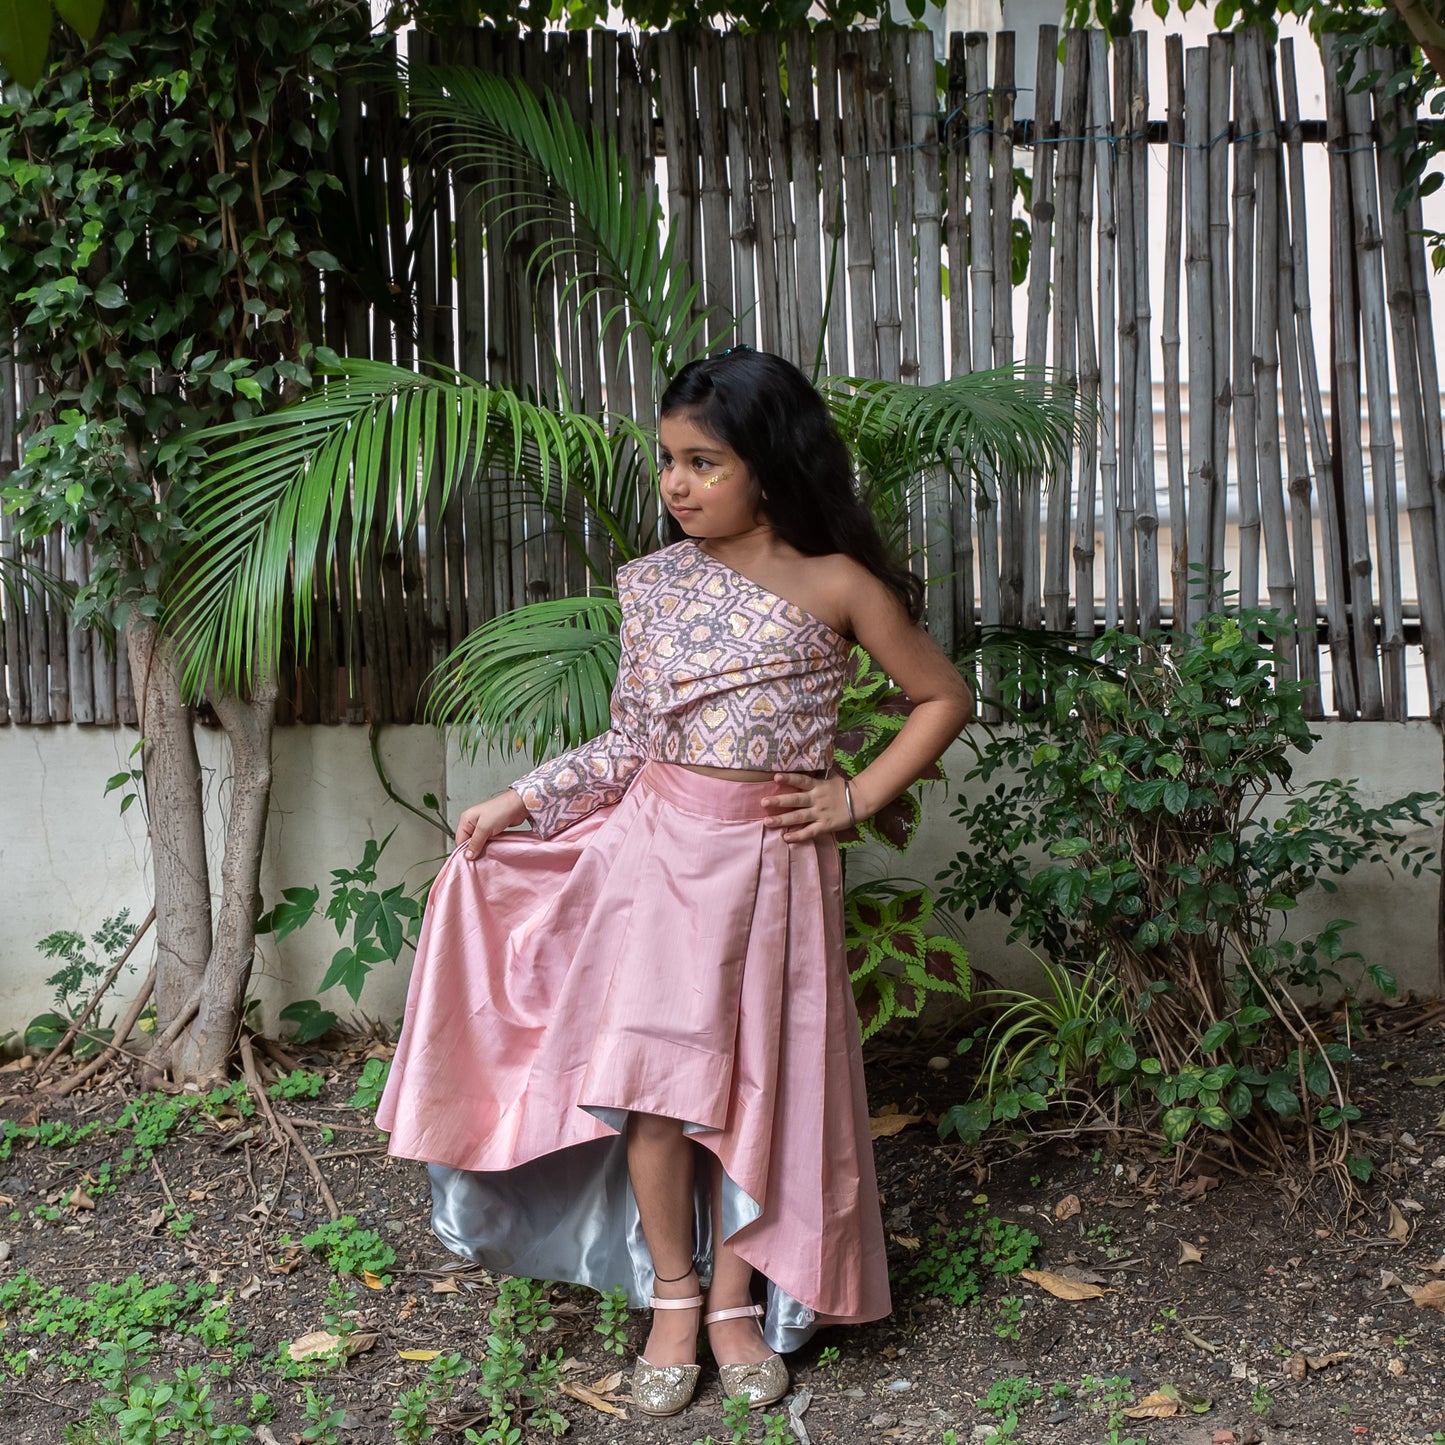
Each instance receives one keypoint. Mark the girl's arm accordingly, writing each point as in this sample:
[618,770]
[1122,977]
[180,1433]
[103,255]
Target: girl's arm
[942,703]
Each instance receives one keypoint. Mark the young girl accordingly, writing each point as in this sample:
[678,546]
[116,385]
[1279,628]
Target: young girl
[630,1052]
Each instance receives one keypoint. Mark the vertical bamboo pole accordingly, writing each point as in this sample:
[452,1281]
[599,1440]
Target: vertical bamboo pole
[12,633]
[1429,373]
[903,161]
[1204,481]
[1036,332]
[833,260]
[744,230]
[766,253]
[1011,542]
[888,322]
[784,226]
[928,216]
[717,275]
[956,140]
[1169,334]
[981,321]
[673,52]
[1146,517]
[1121,523]
[1221,56]
[1259,87]
[1106,169]
[1246,423]
[1085,519]
[1073,110]
[1345,400]
[1419,502]
[803,143]
[853,79]
[1370,283]
[1345,697]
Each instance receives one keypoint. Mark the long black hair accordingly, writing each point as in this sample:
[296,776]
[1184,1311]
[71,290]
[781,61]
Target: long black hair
[763,408]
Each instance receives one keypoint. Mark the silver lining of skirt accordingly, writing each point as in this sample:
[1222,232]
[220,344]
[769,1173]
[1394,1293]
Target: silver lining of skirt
[571,1216]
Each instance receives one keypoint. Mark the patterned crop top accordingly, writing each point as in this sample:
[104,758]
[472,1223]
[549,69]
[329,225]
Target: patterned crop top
[714,670]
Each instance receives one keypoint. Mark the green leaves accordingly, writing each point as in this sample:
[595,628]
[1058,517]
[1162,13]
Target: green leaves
[25,38]
[539,677]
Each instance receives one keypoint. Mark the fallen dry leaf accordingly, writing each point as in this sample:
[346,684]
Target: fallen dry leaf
[423,1355]
[907,1241]
[1059,1287]
[360,1342]
[1156,1406]
[1399,1228]
[251,1288]
[885,1125]
[1189,1253]
[1389,1279]
[1297,1367]
[80,1199]
[286,1264]
[1067,1207]
[1438,1267]
[16,1065]
[608,1383]
[1428,1296]
[372,1281]
[1323,1362]
[1430,1081]
[445,1286]
[1198,1187]
[1397,1368]
[314,1344]
[591,1397]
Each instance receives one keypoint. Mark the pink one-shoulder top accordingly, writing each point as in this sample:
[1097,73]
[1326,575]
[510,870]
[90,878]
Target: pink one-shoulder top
[715,670]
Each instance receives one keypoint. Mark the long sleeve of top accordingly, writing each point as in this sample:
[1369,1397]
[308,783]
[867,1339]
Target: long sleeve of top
[567,788]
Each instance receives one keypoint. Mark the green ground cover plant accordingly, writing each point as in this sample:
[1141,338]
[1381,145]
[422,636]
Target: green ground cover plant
[956,1264]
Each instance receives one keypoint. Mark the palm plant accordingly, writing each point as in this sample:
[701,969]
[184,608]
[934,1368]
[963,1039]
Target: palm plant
[374,440]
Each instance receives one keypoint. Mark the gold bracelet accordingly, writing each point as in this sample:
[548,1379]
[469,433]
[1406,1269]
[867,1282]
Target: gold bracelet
[848,798]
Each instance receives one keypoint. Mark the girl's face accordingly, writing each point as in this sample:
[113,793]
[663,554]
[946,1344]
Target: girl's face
[705,484]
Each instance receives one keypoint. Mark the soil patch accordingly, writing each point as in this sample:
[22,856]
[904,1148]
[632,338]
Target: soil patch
[1248,1301]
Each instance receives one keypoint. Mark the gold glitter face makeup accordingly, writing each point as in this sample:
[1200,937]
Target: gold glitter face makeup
[717,477]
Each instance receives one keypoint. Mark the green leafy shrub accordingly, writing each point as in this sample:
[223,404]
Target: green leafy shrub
[1140,774]
[349,1250]
[83,963]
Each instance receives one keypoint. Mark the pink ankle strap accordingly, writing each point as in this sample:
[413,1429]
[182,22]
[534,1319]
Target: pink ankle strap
[733,1314]
[691,1303]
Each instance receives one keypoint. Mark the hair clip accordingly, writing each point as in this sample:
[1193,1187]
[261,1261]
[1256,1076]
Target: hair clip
[718,355]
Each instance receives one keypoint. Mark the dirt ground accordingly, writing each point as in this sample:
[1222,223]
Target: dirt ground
[1271,1317]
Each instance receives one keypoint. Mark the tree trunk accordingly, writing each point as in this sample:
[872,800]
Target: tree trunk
[177,825]
[204,1049]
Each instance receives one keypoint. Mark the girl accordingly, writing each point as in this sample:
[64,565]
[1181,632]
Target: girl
[630,1053]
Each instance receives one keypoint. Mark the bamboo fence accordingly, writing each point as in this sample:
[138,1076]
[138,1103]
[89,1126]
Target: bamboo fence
[840,211]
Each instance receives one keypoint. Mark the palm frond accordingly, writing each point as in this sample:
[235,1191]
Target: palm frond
[539,677]
[572,182]
[1012,421]
[21,581]
[371,443]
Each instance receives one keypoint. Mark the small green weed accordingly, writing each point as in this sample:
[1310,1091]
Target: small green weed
[298,1084]
[957,1263]
[349,1250]
[411,1414]
[1261,1402]
[612,1324]
[323,1419]
[778,1431]
[830,1358]
[1008,1318]
[736,1418]
[370,1085]
[1015,1393]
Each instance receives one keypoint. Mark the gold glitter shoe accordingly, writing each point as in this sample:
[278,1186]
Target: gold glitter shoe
[760,1382]
[665,1389]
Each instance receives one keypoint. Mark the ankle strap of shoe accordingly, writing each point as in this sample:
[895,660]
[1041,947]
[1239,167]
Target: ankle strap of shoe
[690,1303]
[733,1314]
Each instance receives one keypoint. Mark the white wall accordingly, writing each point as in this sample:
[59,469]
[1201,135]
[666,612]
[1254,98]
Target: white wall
[67,858]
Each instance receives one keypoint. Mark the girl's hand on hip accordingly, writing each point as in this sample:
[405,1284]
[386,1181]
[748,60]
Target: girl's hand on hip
[806,807]
[485,820]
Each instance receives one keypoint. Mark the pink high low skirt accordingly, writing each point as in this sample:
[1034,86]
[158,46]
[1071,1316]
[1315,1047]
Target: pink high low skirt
[670,955]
